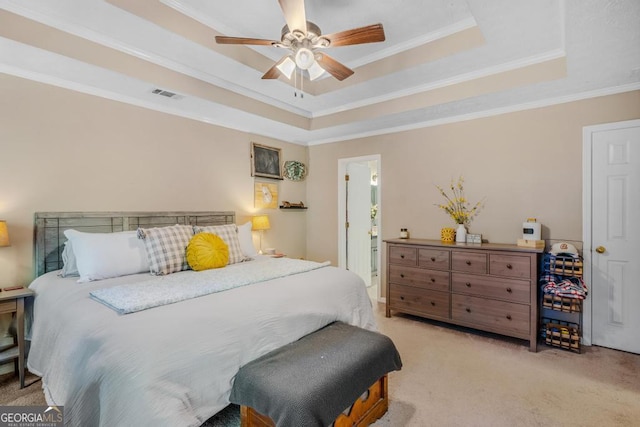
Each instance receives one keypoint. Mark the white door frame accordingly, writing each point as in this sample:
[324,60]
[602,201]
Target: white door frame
[342,206]
[587,147]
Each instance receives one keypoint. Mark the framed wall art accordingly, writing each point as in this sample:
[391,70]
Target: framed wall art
[265,195]
[294,170]
[265,161]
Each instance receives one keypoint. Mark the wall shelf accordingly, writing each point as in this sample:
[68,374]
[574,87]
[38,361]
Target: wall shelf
[293,208]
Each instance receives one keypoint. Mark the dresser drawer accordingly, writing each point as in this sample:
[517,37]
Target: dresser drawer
[11,306]
[417,300]
[433,258]
[492,287]
[469,262]
[402,255]
[499,316]
[419,277]
[510,266]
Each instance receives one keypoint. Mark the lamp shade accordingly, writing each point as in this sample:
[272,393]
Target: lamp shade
[304,58]
[4,234]
[287,66]
[260,222]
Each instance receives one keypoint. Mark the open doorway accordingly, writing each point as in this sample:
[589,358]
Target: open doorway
[360,218]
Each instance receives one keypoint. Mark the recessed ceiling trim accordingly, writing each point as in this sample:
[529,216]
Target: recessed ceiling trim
[245,126]
[397,52]
[482,114]
[380,54]
[461,78]
[85,33]
[397,48]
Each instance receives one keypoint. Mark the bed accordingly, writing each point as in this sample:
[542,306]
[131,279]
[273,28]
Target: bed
[174,364]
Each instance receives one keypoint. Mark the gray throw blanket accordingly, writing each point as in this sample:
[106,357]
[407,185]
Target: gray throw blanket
[311,381]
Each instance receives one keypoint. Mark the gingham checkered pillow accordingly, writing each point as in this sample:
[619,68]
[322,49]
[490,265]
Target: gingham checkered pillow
[228,233]
[166,248]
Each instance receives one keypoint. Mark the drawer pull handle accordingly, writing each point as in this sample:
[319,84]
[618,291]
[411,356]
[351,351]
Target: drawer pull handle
[509,290]
[509,266]
[509,316]
[468,310]
[468,284]
[433,280]
[402,298]
[433,303]
[402,275]
[468,262]
[433,259]
[402,256]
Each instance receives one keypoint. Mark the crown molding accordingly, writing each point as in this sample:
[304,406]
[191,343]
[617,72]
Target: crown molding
[485,113]
[461,78]
[397,48]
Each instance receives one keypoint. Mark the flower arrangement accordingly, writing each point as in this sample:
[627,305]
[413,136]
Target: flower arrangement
[457,206]
[374,211]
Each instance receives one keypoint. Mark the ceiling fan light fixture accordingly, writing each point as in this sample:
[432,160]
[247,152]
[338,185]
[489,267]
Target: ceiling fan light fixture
[315,71]
[304,58]
[286,67]
[305,40]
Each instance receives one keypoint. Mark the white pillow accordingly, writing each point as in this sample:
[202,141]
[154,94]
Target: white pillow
[246,240]
[104,255]
[69,266]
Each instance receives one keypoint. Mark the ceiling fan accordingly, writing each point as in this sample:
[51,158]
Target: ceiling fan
[305,40]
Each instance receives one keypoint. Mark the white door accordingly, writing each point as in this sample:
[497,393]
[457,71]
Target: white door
[358,240]
[615,238]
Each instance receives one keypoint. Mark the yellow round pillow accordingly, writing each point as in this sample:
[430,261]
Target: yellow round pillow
[206,250]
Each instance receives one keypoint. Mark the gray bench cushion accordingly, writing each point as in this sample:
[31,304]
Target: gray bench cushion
[311,381]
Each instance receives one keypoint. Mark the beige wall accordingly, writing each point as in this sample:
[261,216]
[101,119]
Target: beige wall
[66,151]
[525,164]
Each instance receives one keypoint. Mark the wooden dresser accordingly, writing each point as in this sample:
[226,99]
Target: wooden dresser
[492,287]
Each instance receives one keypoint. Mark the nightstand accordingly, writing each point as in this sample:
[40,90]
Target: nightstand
[13,302]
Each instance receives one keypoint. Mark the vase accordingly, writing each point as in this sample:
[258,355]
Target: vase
[461,234]
[447,235]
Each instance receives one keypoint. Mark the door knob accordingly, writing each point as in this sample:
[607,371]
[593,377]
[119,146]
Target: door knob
[601,249]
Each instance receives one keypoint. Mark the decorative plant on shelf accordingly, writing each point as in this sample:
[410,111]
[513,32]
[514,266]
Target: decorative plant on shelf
[457,206]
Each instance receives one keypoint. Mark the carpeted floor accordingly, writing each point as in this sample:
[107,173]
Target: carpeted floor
[458,377]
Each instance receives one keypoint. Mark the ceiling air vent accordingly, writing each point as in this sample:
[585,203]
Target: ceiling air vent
[166,93]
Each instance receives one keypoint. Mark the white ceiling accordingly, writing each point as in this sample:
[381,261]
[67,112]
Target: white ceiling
[442,61]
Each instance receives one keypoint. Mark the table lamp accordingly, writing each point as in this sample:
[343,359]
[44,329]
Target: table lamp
[260,223]
[4,234]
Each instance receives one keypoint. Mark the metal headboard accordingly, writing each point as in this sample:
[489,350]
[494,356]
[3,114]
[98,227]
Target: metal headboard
[49,228]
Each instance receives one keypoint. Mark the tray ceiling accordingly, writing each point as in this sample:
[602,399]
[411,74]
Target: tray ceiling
[443,60]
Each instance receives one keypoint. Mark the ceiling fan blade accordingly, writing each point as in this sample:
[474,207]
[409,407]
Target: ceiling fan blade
[274,72]
[244,40]
[294,14]
[369,34]
[333,67]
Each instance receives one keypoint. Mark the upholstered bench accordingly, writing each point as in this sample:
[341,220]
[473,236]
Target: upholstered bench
[337,374]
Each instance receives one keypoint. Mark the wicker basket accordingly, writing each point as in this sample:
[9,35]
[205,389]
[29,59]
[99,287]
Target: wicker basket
[568,305]
[563,266]
[563,335]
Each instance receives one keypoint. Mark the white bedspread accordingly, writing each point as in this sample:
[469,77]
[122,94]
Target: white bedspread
[174,365]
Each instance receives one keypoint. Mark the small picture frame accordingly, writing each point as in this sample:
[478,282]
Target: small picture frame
[265,195]
[265,161]
[474,238]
